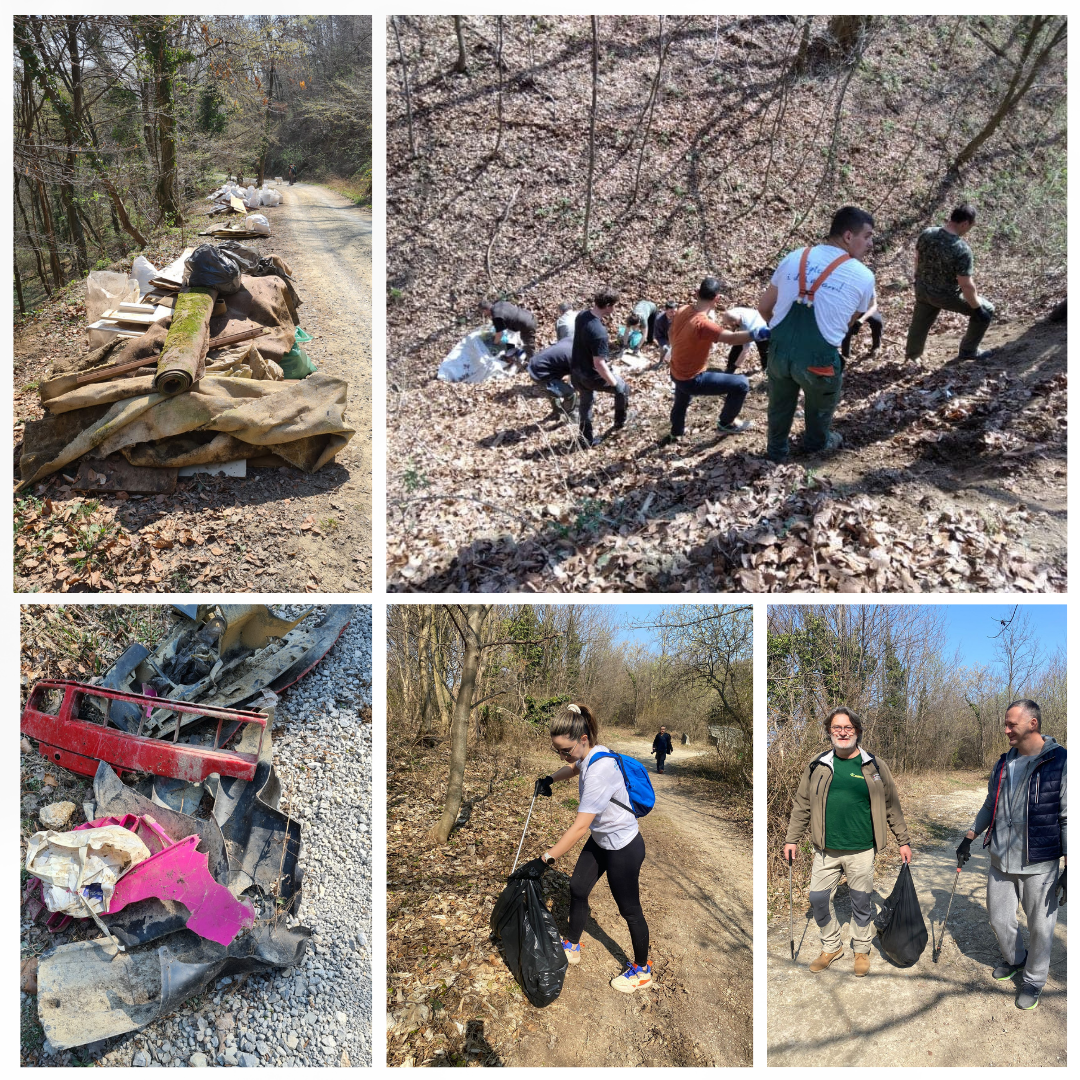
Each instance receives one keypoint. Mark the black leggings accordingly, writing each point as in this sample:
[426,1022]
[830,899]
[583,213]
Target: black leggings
[622,868]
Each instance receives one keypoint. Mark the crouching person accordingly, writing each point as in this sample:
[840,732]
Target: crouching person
[550,368]
[848,798]
[1025,823]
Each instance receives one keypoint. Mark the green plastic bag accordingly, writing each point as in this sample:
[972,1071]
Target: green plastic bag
[296,364]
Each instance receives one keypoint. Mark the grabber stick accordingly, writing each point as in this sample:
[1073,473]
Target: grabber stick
[523,832]
[790,911]
[947,910]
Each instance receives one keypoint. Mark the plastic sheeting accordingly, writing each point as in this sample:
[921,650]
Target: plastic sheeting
[471,361]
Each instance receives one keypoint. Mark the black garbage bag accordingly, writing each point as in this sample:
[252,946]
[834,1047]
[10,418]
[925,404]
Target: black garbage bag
[528,937]
[900,925]
[212,268]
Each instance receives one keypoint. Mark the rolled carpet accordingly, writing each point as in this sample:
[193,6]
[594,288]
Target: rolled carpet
[183,356]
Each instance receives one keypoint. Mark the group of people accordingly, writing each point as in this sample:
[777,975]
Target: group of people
[817,301]
[848,799]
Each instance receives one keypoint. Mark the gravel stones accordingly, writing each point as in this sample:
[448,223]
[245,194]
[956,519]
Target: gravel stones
[198,1061]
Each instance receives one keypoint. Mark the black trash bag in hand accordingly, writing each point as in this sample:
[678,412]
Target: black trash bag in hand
[530,941]
[210,267]
[900,925]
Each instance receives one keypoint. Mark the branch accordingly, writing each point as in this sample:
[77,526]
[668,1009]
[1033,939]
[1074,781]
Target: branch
[491,242]
[511,641]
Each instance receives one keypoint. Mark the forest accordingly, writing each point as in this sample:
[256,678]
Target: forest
[470,692]
[121,120]
[924,711]
[537,158]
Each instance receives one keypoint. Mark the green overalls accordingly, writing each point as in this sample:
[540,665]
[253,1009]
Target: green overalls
[801,359]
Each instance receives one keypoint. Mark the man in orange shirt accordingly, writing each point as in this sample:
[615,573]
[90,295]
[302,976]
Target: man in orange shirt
[692,335]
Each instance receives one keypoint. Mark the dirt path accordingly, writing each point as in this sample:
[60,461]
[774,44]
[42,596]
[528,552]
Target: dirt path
[275,530]
[696,890]
[949,1013]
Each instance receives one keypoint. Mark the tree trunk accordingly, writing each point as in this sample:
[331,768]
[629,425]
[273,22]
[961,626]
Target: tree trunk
[498,66]
[848,32]
[405,85]
[42,203]
[67,190]
[1022,79]
[156,42]
[32,240]
[428,705]
[461,65]
[266,129]
[653,93]
[592,127]
[459,729]
[18,284]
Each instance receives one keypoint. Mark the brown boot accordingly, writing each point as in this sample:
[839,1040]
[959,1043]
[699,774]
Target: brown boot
[825,959]
[862,964]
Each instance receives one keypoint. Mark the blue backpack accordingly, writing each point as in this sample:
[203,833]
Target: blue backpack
[636,779]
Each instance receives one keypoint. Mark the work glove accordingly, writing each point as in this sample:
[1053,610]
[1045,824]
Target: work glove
[762,333]
[543,787]
[963,852]
[856,326]
[1061,887]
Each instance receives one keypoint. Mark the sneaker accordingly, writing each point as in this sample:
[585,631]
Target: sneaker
[1006,971]
[825,959]
[671,440]
[862,964]
[1028,998]
[985,354]
[633,978]
[733,429]
[573,952]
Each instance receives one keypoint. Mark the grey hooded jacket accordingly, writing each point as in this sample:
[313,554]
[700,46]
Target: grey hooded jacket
[1010,824]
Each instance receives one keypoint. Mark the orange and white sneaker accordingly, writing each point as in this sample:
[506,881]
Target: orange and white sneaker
[633,978]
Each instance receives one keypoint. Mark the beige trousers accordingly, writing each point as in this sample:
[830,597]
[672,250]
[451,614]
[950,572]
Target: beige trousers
[858,868]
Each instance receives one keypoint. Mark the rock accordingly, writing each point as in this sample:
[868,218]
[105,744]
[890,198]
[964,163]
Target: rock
[141,1059]
[345,1063]
[28,975]
[230,1055]
[198,1061]
[292,1040]
[342,1018]
[25,746]
[56,815]
[247,1044]
[262,1049]
[248,1061]
[311,1019]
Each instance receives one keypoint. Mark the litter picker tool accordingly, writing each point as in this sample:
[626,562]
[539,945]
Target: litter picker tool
[523,832]
[937,951]
[790,910]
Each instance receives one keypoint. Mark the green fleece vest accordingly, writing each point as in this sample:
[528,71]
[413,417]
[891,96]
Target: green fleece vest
[848,825]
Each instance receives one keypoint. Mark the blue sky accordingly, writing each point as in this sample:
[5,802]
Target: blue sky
[970,626]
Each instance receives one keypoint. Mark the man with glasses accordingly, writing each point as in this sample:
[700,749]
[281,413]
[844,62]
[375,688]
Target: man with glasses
[847,797]
[1024,816]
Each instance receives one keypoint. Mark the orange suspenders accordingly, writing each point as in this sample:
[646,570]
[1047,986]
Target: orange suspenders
[806,296]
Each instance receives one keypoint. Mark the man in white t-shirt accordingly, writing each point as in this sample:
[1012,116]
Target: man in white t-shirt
[815,295]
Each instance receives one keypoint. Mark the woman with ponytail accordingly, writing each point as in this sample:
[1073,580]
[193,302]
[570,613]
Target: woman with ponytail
[615,846]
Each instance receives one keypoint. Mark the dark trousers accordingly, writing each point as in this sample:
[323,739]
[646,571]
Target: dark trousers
[876,325]
[586,393]
[708,384]
[660,759]
[926,312]
[650,336]
[622,868]
[735,355]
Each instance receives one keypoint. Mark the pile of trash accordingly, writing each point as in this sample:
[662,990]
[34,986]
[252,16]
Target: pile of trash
[198,366]
[480,355]
[188,870]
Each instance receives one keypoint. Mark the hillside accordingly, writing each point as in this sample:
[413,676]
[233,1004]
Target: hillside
[953,474]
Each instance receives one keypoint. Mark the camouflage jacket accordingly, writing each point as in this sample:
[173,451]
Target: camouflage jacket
[942,257]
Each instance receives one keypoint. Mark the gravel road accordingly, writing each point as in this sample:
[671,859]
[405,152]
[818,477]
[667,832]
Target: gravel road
[318,1014]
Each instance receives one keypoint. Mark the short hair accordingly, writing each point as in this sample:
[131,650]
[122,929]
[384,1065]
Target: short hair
[565,306]
[485,305]
[964,212]
[850,219]
[605,297]
[1030,709]
[709,289]
[633,320]
[843,710]
[670,305]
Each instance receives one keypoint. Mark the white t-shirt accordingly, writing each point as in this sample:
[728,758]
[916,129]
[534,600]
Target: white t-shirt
[613,827]
[749,318]
[849,288]
[564,325]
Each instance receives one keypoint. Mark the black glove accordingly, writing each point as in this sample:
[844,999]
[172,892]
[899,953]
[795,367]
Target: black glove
[963,852]
[856,326]
[1061,887]
[543,787]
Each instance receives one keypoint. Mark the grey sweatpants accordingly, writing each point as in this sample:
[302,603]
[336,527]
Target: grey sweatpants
[825,873]
[1038,897]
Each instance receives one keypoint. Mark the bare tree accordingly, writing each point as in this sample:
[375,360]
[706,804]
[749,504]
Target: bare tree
[404,84]
[499,69]
[592,127]
[461,65]
[650,106]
